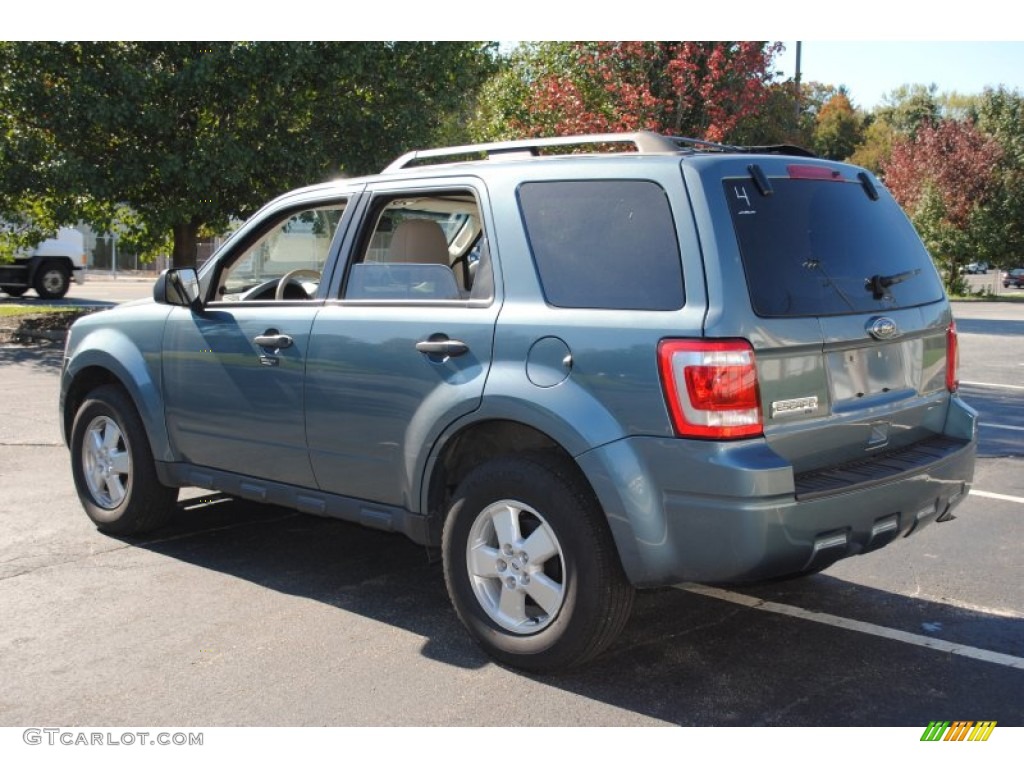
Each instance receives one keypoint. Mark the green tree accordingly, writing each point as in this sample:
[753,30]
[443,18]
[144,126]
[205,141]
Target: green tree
[189,135]
[790,115]
[1000,114]
[780,120]
[902,112]
[837,128]
[909,107]
[875,146]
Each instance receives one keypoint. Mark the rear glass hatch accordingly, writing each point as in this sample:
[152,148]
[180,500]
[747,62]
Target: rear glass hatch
[830,261]
[822,245]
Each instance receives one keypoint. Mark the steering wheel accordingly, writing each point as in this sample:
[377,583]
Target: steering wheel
[283,282]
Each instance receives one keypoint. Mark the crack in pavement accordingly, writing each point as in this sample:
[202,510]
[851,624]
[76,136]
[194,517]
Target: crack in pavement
[139,545]
[59,562]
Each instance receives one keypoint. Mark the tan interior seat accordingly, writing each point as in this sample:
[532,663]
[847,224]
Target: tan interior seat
[419,241]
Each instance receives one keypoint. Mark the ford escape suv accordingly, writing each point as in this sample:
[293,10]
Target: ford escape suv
[573,366]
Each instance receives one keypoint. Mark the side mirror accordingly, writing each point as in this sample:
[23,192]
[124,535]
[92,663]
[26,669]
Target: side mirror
[179,288]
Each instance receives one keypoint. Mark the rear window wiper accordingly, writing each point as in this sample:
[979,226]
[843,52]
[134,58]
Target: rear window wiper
[879,284]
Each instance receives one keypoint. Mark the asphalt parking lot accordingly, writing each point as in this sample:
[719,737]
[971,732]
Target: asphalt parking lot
[242,614]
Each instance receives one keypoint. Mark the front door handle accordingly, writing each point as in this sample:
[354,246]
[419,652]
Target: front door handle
[442,346]
[274,340]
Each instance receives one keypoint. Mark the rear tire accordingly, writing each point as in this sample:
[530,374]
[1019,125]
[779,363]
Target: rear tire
[52,280]
[530,564]
[113,466]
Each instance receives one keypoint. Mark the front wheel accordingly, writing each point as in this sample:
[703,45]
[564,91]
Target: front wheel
[530,565]
[113,467]
[52,280]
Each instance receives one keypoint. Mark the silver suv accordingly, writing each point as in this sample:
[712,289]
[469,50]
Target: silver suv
[571,373]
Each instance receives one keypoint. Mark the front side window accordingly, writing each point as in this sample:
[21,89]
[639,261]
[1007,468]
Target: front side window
[603,244]
[293,249]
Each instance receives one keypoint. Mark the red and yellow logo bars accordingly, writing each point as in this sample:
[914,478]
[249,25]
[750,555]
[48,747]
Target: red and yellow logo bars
[960,730]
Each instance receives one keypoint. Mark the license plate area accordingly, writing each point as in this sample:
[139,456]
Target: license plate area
[862,372]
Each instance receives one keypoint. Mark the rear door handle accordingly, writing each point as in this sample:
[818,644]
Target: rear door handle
[442,347]
[274,340]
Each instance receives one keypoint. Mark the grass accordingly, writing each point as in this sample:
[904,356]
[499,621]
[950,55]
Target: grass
[17,310]
[1007,297]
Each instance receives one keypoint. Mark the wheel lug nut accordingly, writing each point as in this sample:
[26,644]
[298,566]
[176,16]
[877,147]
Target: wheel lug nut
[507,549]
[510,582]
[501,565]
[524,579]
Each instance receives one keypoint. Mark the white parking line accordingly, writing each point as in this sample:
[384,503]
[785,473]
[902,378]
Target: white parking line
[1000,426]
[910,638]
[991,386]
[999,496]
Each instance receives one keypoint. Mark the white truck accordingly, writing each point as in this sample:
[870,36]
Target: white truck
[49,268]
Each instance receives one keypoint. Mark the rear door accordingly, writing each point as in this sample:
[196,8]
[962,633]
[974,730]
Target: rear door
[847,313]
[403,345]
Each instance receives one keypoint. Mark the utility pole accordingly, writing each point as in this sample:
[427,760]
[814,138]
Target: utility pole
[796,79]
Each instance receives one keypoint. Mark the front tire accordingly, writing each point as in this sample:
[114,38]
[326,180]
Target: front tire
[113,467]
[530,564]
[52,280]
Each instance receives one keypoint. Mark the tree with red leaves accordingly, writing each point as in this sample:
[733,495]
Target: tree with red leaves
[943,177]
[700,89]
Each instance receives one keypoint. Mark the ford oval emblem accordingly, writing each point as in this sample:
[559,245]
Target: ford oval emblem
[883,328]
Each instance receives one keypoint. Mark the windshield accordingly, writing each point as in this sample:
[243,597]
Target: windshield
[818,247]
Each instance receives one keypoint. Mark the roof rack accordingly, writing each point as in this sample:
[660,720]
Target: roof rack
[778,149]
[687,143]
[645,142]
[767,149]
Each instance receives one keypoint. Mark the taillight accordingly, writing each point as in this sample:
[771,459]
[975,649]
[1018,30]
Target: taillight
[952,358]
[711,387]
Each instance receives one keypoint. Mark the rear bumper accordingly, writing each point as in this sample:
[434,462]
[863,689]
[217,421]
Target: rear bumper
[683,510]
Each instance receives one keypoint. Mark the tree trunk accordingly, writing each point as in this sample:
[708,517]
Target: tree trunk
[186,245]
[956,285]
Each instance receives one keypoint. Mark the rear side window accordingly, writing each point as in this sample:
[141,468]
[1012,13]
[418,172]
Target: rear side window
[818,247]
[603,244]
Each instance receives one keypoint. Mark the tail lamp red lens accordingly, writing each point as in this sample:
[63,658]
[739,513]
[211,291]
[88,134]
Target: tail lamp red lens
[952,358]
[711,387]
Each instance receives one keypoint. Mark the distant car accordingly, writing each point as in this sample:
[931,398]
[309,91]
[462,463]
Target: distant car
[1014,277]
[975,268]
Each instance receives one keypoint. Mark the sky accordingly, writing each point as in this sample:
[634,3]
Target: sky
[870,70]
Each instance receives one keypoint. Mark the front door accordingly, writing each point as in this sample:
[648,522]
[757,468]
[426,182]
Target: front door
[233,374]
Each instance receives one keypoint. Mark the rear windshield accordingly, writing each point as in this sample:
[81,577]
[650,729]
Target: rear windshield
[825,248]
[603,244]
